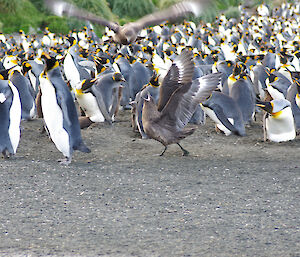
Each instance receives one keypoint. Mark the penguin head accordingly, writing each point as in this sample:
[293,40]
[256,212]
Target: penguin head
[274,107]
[237,69]
[100,67]
[243,76]
[118,77]
[272,78]
[26,67]
[154,80]
[267,106]
[86,84]
[131,59]
[50,61]
[72,41]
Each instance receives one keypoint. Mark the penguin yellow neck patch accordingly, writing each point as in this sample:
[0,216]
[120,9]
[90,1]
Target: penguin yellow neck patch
[78,92]
[276,114]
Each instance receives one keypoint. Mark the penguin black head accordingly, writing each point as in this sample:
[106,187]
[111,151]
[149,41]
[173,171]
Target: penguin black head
[267,106]
[118,77]
[237,69]
[154,80]
[87,84]
[72,40]
[243,76]
[148,49]
[131,59]
[26,67]
[4,74]
[100,67]
[50,61]
[271,49]
[272,78]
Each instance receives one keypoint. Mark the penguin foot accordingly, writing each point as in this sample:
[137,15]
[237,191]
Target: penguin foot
[66,161]
[218,130]
[5,155]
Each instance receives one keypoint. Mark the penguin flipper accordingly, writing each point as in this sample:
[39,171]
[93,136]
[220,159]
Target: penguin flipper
[222,117]
[101,104]
[64,108]
[115,103]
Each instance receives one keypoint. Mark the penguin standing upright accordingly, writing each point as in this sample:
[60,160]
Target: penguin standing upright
[25,91]
[279,123]
[10,116]
[59,111]
[242,92]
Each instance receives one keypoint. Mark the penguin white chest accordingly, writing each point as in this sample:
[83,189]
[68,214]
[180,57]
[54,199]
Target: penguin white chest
[15,118]
[219,124]
[53,117]
[280,127]
[90,107]
[275,93]
[71,71]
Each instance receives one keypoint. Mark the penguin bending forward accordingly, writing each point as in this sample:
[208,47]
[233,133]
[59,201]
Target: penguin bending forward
[59,111]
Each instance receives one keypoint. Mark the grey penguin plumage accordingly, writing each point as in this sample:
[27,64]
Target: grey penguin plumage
[105,89]
[225,112]
[122,65]
[259,73]
[26,93]
[293,96]
[277,85]
[151,88]
[59,111]
[242,92]
[10,116]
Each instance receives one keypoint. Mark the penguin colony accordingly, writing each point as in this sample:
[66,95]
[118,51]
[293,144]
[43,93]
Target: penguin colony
[169,75]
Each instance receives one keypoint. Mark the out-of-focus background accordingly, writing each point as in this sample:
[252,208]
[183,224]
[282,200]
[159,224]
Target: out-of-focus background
[31,16]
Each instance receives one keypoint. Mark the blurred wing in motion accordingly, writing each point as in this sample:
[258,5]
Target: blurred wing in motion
[61,8]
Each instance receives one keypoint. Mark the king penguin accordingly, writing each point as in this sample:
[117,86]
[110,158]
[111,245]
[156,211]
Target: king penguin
[242,91]
[59,111]
[279,123]
[26,93]
[10,116]
[225,112]
[105,89]
[151,88]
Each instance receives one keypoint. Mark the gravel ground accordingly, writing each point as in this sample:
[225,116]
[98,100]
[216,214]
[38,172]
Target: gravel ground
[233,196]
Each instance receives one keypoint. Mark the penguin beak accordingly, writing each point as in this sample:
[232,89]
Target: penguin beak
[94,80]
[267,106]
